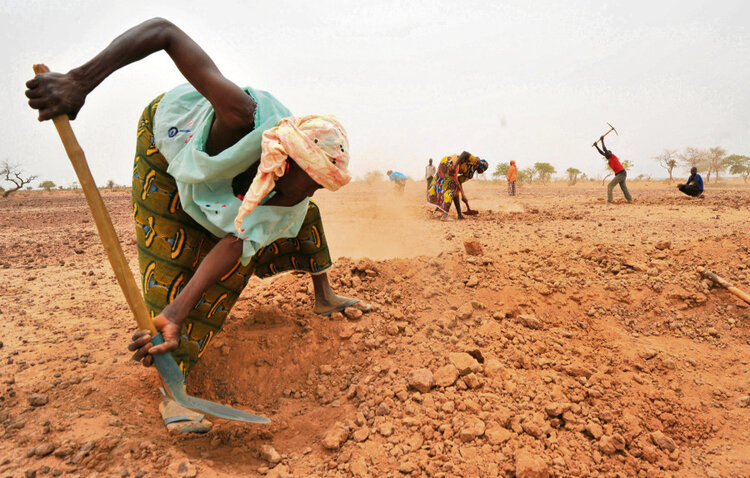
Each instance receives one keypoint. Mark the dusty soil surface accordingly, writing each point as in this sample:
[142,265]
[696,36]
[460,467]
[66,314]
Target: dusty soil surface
[578,341]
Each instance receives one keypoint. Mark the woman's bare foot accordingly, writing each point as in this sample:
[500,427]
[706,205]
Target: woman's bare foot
[179,419]
[324,307]
[327,302]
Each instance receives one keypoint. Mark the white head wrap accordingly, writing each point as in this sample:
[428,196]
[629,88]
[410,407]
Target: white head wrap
[317,143]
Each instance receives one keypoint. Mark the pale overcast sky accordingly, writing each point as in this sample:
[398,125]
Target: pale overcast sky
[524,80]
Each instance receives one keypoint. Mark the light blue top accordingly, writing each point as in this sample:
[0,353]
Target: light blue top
[182,122]
[396,176]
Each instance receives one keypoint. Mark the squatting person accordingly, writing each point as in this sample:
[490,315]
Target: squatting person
[694,185]
[221,186]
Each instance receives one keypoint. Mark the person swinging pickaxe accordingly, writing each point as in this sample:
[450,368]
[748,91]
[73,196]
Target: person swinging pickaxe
[617,168]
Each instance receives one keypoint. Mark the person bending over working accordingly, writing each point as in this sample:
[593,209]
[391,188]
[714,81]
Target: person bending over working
[399,180]
[512,176]
[694,185]
[447,184]
[221,186]
[429,172]
[620,173]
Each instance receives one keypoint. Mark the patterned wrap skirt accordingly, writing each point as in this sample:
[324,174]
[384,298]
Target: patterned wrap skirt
[444,185]
[449,177]
[171,246]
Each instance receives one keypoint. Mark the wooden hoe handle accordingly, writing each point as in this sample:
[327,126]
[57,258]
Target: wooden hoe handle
[725,284]
[103,222]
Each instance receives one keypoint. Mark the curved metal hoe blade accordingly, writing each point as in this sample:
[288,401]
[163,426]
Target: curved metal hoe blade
[175,383]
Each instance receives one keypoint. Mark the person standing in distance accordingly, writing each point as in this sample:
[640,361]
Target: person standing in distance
[429,173]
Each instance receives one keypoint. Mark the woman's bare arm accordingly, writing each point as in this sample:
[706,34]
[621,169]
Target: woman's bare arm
[54,94]
[217,263]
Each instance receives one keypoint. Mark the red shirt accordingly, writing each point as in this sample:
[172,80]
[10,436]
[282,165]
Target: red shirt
[614,163]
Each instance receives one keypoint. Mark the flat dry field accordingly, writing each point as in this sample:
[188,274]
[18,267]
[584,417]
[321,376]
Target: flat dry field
[580,342]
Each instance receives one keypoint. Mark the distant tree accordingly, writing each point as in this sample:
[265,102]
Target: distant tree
[111,185]
[693,157]
[501,170]
[544,171]
[715,161]
[47,185]
[373,176]
[573,174]
[13,174]
[61,187]
[667,160]
[526,175]
[739,165]
[74,185]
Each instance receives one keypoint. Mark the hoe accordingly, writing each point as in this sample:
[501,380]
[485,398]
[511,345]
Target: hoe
[168,369]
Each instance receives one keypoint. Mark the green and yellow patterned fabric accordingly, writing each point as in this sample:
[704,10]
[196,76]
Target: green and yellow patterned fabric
[171,246]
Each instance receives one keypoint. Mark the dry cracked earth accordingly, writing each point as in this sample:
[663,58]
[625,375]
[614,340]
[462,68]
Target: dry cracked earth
[551,335]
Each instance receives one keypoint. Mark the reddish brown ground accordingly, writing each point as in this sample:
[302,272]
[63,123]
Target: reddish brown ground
[596,333]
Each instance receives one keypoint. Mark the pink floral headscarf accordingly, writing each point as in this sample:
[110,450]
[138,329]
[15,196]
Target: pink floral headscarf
[317,143]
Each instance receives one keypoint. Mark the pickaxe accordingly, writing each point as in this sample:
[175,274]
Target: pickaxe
[611,128]
[165,363]
[720,281]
